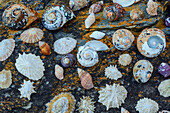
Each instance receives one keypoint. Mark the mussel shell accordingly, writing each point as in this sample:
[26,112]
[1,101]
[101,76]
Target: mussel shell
[68,60]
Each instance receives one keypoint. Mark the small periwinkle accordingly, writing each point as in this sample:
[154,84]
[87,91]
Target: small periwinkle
[68,60]
[167,22]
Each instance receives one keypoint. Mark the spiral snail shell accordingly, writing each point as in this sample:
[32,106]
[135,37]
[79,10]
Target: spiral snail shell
[18,16]
[68,60]
[56,16]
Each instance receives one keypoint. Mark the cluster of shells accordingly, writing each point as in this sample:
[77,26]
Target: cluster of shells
[150,43]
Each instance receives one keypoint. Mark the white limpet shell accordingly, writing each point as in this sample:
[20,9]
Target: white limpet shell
[123,110]
[124,3]
[87,56]
[125,59]
[64,45]
[62,103]
[86,105]
[164,111]
[142,71]
[112,72]
[97,35]
[112,96]
[32,35]
[5,78]
[30,66]
[90,20]
[27,89]
[146,105]
[6,48]
[164,88]
[59,72]
[97,45]
[122,39]
[151,42]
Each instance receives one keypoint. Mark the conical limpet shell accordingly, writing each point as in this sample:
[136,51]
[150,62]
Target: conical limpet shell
[164,88]
[86,79]
[5,78]
[59,72]
[45,48]
[125,59]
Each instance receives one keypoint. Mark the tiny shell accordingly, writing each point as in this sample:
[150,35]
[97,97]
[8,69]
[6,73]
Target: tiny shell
[62,103]
[68,60]
[146,105]
[87,56]
[45,48]
[137,14]
[86,79]
[6,48]
[113,12]
[27,89]
[125,59]
[125,3]
[64,45]
[97,35]
[152,8]
[142,71]
[122,39]
[32,35]
[164,88]
[164,111]
[19,16]
[90,20]
[77,4]
[5,78]
[30,66]
[59,72]
[112,72]
[86,105]
[167,22]
[164,69]
[96,7]
[151,42]
[97,45]
[123,110]
[112,96]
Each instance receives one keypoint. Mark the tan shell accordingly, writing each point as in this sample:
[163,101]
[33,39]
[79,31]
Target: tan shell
[86,79]
[90,20]
[122,39]
[152,8]
[59,72]
[45,48]
[142,71]
[164,88]
[6,48]
[94,8]
[151,42]
[32,35]
[137,14]
[62,103]
[112,72]
[125,59]
[123,110]
[5,78]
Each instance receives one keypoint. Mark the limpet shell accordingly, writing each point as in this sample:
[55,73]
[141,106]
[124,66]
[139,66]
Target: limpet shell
[87,56]
[18,16]
[112,96]
[77,4]
[164,88]
[59,72]
[151,42]
[30,66]
[122,39]
[112,72]
[125,3]
[68,60]
[94,8]
[64,45]
[146,105]
[137,14]
[142,71]
[125,59]
[5,78]
[45,48]
[6,48]
[62,103]
[152,8]
[90,20]
[32,35]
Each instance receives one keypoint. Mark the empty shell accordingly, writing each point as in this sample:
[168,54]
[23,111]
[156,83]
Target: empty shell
[77,4]
[125,59]
[90,20]
[164,88]
[94,8]
[45,48]
[5,78]
[97,35]
[59,72]
[152,8]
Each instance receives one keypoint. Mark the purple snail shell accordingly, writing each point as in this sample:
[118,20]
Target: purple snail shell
[164,69]
[68,60]
[167,22]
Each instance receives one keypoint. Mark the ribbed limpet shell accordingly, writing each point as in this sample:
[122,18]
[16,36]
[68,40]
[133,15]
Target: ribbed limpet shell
[164,88]
[151,42]
[142,71]
[122,39]
[125,59]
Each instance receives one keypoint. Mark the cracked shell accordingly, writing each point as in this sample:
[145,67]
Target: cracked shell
[62,103]
[5,78]
[164,88]
[6,48]
[112,72]
[142,71]
[112,96]
[30,66]
[146,105]
[122,39]
[151,42]
[64,45]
